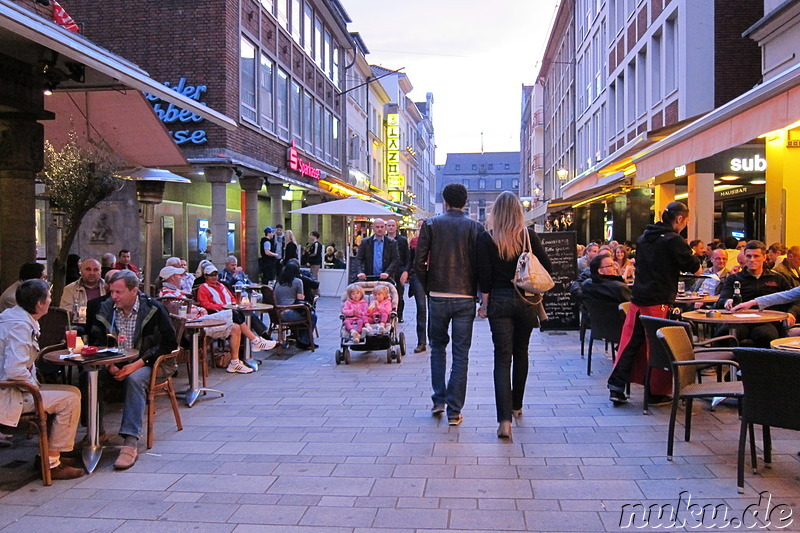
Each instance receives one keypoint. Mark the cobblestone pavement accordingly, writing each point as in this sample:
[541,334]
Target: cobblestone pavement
[304,445]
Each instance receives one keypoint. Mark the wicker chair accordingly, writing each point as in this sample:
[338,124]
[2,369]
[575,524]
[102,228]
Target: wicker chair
[161,386]
[678,346]
[771,397]
[283,326]
[36,421]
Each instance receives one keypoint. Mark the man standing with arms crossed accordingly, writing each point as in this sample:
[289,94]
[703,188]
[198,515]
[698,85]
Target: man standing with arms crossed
[661,255]
[446,263]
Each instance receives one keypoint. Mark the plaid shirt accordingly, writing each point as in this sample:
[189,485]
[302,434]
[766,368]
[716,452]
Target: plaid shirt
[125,326]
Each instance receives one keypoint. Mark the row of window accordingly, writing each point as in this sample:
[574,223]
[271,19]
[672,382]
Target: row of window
[490,166]
[305,26]
[271,99]
[498,183]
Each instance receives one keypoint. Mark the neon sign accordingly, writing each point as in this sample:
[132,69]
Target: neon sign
[297,164]
[394,180]
[171,114]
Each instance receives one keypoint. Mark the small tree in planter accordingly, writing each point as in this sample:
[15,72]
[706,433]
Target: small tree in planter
[77,177]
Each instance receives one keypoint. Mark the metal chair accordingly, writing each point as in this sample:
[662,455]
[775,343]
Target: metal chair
[659,358]
[606,324]
[161,385]
[37,421]
[684,365]
[771,397]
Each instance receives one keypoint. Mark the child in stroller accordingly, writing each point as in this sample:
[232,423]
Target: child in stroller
[355,312]
[379,310]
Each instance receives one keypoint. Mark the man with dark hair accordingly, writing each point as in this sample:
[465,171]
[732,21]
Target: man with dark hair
[31,270]
[401,274]
[139,322]
[446,263]
[280,237]
[268,257]
[19,331]
[699,249]
[124,262]
[313,255]
[661,255]
[605,283]
[755,280]
[789,268]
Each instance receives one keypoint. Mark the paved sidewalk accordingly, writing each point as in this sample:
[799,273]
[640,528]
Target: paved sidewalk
[304,445]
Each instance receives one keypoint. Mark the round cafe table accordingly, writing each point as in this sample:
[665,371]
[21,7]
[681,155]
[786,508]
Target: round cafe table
[786,343]
[700,298]
[732,319]
[248,310]
[92,365]
[196,326]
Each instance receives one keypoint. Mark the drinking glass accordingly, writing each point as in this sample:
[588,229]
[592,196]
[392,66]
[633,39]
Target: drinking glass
[71,336]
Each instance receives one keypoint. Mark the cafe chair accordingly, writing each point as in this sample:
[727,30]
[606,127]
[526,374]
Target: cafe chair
[606,320]
[161,385]
[283,326]
[174,304]
[52,326]
[771,397]
[678,347]
[49,372]
[34,422]
[659,358]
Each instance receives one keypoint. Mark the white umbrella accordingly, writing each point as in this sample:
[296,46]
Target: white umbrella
[351,206]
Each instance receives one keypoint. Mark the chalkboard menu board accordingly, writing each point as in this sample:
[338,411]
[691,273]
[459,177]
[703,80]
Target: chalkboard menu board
[562,312]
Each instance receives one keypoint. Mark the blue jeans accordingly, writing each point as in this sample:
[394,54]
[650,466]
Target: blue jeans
[302,337]
[512,320]
[461,312]
[422,311]
[134,397]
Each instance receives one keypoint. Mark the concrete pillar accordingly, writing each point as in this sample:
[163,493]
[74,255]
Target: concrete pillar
[782,191]
[665,193]
[639,216]
[20,159]
[219,178]
[251,185]
[276,192]
[701,207]
[597,220]
[300,232]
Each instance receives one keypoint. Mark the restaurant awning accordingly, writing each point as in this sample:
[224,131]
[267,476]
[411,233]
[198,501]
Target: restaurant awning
[24,35]
[122,119]
[771,106]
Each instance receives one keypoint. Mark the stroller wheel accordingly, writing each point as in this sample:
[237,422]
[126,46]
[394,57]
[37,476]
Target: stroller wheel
[346,355]
[397,356]
[402,339]
[389,356]
[338,356]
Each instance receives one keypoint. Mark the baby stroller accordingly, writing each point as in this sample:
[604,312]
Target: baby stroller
[391,340]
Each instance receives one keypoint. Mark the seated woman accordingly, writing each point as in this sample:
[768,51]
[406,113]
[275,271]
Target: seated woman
[330,256]
[213,295]
[289,291]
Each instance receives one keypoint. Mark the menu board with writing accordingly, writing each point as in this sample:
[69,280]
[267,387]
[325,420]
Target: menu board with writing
[562,312]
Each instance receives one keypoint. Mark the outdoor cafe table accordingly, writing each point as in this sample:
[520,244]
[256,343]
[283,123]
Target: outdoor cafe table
[248,310]
[700,298]
[92,365]
[196,326]
[732,319]
[786,343]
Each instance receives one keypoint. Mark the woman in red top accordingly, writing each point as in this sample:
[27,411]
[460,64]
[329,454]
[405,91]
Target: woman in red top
[213,296]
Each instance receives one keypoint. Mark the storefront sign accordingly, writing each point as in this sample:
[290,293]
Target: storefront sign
[752,164]
[680,171]
[298,164]
[170,114]
[394,179]
[744,158]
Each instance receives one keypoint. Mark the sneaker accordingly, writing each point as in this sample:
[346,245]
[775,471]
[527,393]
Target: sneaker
[438,409]
[260,344]
[455,419]
[63,471]
[238,367]
[618,397]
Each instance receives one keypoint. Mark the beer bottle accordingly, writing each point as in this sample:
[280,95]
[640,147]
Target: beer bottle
[737,293]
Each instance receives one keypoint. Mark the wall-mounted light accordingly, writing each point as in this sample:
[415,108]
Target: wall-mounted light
[563,175]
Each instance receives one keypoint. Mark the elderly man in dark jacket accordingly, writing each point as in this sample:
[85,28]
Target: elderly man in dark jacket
[446,263]
[605,283]
[140,323]
[377,255]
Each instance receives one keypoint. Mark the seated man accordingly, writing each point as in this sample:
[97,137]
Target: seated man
[755,281]
[233,274]
[717,273]
[19,329]
[605,283]
[789,268]
[139,322]
[77,294]
[32,270]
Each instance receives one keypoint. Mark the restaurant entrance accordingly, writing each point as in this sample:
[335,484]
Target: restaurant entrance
[741,213]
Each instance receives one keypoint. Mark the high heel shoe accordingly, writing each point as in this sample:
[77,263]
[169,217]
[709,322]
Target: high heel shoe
[504,429]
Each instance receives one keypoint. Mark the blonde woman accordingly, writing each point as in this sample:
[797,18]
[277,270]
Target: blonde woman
[512,316]
[289,247]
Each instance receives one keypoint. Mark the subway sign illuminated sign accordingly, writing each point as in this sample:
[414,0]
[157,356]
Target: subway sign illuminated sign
[394,180]
[298,164]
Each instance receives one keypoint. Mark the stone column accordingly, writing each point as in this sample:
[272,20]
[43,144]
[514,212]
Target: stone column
[300,232]
[276,192]
[219,178]
[21,157]
[251,185]
[701,207]
[665,193]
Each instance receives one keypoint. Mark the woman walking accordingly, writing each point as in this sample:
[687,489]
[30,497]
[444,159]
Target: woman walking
[512,316]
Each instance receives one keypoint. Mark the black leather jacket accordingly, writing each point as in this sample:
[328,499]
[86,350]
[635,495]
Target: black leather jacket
[446,259]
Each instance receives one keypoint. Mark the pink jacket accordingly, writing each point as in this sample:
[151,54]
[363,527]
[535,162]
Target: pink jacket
[354,309]
[384,307]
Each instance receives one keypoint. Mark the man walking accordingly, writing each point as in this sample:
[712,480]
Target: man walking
[446,263]
[661,255]
[401,274]
[377,255]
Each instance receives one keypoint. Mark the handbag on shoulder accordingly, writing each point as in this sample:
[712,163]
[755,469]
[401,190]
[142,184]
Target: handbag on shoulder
[530,276]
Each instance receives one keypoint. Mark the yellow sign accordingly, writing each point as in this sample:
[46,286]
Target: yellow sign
[394,179]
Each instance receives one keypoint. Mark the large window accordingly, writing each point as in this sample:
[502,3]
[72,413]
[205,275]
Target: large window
[247,81]
[335,68]
[297,16]
[318,41]
[308,106]
[318,129]
[283,14]
[335,141]
[308,30]
[297,112]
[670,55]
[328,134]
[282,104]
[265,98]
[326,55]
[268,5]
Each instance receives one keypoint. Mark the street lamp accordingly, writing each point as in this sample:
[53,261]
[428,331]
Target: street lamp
[150,183]
[563,175]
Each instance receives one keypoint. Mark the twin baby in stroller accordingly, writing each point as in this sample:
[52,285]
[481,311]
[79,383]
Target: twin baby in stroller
[363,315]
